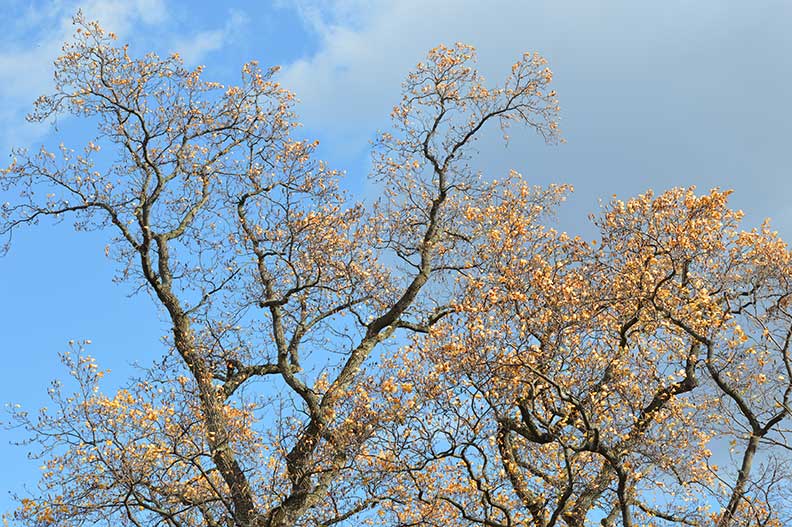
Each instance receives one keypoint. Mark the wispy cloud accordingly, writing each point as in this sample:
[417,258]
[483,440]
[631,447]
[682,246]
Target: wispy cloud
[367,48]
[194,48]
[36,34]
[35,40]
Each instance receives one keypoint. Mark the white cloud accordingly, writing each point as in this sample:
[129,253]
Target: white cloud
[321,15]
[38,34]
[120,16]
[194,48]
[366,49]
[348,87]
[39,31]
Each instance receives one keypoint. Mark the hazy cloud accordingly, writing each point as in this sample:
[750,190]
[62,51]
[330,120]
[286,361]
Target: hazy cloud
[652,94]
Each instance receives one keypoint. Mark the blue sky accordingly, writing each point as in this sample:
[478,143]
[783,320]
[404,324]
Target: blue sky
[653,95]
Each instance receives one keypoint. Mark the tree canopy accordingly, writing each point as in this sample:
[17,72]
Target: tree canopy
[442,356]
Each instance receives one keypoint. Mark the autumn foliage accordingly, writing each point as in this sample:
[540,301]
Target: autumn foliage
[442,357]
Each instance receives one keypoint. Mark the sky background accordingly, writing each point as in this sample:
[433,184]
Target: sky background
[653,95]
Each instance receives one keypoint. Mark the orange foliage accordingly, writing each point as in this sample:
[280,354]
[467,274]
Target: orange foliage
[441,358]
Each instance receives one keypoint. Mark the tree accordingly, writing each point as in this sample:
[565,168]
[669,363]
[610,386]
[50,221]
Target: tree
[439,358]
[579,380]
[262,265]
